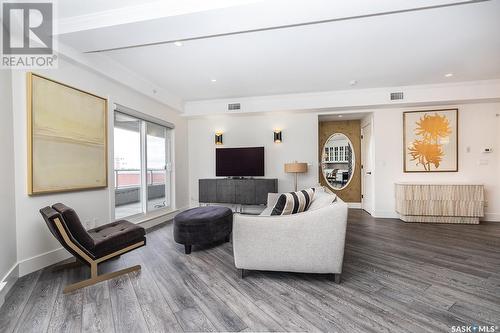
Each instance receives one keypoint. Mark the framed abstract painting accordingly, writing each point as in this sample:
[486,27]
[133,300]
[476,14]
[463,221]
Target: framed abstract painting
[67,138]
[430,141]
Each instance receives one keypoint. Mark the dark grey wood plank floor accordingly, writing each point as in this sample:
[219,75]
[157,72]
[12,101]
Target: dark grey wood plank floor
[397,278]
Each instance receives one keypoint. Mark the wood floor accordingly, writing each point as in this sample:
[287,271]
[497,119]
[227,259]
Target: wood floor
[397,278]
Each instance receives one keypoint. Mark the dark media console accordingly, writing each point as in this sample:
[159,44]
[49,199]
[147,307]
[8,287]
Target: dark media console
[236,191]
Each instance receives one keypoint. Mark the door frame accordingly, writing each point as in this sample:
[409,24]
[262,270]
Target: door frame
[367,155]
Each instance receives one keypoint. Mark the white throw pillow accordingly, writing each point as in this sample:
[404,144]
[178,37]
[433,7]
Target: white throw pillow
[322,199]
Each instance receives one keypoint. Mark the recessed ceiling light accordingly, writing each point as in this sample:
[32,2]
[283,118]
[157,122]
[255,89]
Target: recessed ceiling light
[340,116]
[214,80]
[448,75]
[178,43]
[353,82]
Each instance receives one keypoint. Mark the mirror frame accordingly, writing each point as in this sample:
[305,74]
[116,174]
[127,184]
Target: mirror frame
[353,162]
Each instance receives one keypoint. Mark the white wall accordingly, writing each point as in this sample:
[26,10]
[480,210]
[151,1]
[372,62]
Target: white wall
[478,128]
[300,142]
[8,256]
[36,247]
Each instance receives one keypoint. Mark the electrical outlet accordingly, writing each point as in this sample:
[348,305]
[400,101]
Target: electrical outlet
[86,223]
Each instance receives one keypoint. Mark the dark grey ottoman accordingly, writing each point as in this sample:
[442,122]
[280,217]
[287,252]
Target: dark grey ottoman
[203,225]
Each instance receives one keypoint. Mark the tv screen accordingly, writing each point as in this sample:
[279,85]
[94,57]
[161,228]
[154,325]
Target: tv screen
[239,162]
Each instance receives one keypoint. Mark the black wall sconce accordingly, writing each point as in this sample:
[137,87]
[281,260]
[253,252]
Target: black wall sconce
[218,138]
[277,136]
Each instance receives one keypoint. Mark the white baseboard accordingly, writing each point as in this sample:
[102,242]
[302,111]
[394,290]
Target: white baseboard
[150,223]
[43,260]
[8,281]
[491,217]
[354,205]
[385,214]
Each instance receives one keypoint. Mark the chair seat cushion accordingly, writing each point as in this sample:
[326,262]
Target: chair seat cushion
[115,236]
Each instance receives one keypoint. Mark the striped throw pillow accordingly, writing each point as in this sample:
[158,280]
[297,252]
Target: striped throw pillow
[293,202]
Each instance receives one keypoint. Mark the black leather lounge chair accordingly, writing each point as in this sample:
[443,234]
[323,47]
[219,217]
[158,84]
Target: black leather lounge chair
[94,246]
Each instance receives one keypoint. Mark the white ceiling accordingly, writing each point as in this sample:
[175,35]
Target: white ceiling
[76,8]
[408,48]
[72,8]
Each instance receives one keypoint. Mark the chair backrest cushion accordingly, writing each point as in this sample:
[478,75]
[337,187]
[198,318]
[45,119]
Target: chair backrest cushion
[50,216]
[74,225]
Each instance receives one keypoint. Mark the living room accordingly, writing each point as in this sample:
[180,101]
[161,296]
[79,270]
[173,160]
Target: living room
[251,165]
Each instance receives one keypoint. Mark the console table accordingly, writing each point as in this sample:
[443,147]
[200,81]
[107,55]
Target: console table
[236,191]
[440,203]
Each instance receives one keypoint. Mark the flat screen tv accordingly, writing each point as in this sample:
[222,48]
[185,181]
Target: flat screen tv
[239,162]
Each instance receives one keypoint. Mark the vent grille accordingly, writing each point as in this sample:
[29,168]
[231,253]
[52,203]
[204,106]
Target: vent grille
[234,106]
[397,96]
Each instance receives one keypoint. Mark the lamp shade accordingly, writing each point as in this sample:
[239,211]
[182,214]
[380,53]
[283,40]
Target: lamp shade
[295,167]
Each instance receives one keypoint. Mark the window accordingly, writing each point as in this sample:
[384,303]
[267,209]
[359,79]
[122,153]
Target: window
[142,165]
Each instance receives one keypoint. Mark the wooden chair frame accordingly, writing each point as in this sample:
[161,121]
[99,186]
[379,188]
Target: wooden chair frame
[94,276]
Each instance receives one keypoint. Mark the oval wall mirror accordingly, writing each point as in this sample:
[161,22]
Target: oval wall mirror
[338,161]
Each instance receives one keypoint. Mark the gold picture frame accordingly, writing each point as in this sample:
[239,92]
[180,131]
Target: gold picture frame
[67,137]
[430,141]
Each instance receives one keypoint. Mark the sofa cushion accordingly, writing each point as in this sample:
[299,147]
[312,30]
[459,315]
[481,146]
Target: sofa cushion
[293,202]
[322,199]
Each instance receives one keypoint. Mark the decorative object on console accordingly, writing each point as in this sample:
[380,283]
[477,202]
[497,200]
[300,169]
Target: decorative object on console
[430,140]
[295,168]
[293,202]
[218,138]
[278,138]
[67,138]
[440,203]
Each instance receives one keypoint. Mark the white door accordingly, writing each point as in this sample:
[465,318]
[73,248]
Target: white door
[366,169]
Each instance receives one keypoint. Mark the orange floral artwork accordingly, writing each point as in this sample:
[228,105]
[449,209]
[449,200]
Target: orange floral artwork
[427,149]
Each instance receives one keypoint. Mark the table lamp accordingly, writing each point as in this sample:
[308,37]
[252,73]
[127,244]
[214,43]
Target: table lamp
[296,168]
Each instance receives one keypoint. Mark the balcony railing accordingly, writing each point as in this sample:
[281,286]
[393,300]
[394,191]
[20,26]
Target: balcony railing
[132,177]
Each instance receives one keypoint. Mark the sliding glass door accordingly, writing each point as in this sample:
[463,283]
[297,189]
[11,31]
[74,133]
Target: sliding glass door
[157,146]
[142,166]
